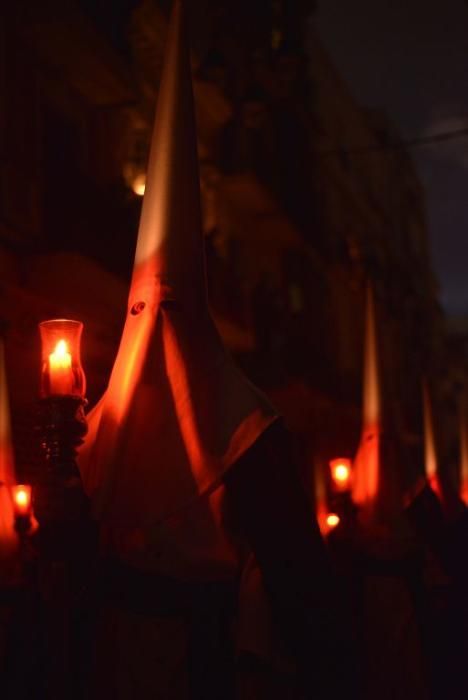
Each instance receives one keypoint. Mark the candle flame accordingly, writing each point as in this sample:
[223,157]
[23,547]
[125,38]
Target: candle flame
[61,357]
[61,349]
[22,497]
[341,472]
[333,520]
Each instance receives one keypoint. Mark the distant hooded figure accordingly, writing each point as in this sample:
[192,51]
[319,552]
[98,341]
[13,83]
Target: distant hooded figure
[190,472]
[440,521]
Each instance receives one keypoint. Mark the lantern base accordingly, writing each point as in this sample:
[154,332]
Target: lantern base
[60,504]
[66,546]
[23,524]
[62,427]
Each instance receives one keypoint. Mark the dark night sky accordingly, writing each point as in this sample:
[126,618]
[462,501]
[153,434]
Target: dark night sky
[410,57]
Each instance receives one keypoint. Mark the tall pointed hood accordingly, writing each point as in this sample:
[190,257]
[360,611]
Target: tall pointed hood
[170,239]
[367,462]
[321,510]
[464,451]
[177,413]
[8,537]
[371,406]
[430,454]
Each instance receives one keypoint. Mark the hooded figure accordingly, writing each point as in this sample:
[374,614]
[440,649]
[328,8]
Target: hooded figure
[392,658]
[375,487]
[188,466]
[367,466]
[172,379]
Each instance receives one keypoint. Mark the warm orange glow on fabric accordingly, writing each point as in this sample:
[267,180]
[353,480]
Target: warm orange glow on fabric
[320,497]
[464,451]
[8,537]
[61,372]
[366,474]
[366,469]
[22,500]
[371,390]
[107,420]
[430,455]
[341,473]
[430,452]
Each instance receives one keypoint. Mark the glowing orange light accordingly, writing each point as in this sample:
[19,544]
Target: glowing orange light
[341,473]
[22,500]
[139,184]
[333,520]
[60,357]
[62,373]
[464,451]
[60,367]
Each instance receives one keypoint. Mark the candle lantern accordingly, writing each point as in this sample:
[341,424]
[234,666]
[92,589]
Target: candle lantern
[62,423]
[21,500]
[340,469]
[61,370]
[22,507]
[66,539]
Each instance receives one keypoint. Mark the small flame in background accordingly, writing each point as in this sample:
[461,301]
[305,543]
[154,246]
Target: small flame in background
[341,473]
[139,184]
[333,520]
[22,499]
